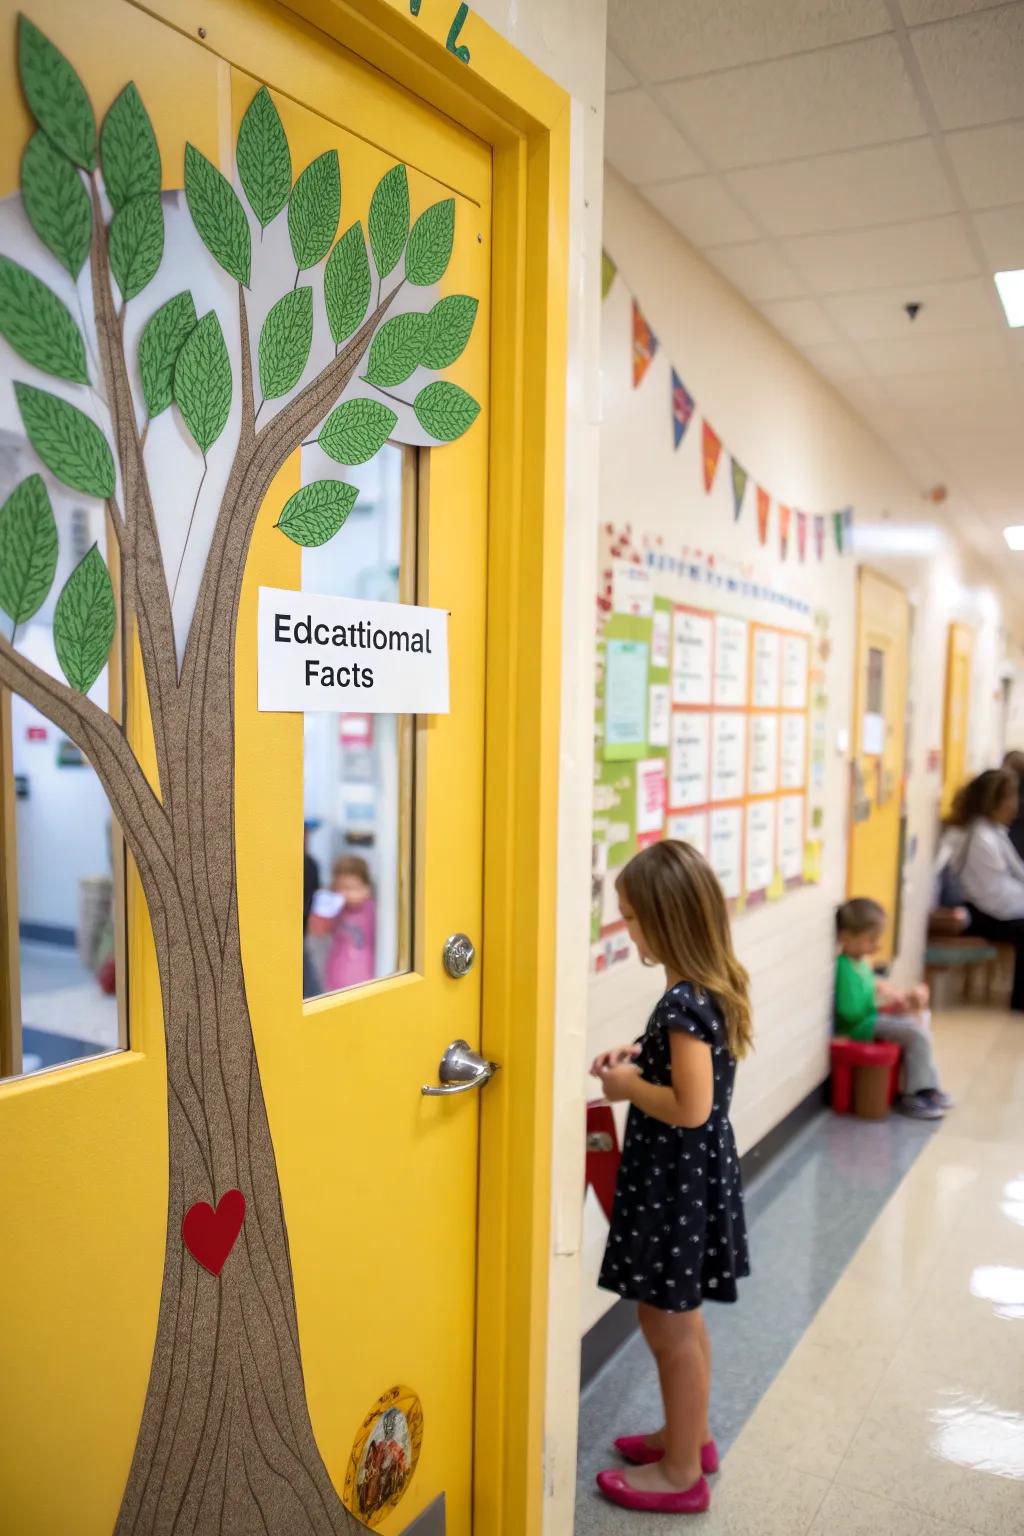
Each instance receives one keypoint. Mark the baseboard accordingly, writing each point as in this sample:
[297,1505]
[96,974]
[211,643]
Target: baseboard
[619,1323]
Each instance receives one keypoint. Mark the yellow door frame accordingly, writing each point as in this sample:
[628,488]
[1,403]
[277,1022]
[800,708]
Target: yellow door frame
[956,712]
[524,117]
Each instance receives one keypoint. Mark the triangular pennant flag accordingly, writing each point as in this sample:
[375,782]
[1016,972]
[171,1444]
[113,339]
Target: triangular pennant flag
[645,344]
[608,271]
[739,485]
[784,516]
[837,528]
[764,502]
[682,407]
[801,535]
[819,536]
[712,454]
[848,526]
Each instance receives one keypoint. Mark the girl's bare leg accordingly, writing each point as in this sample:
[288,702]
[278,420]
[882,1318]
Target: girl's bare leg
[682,1357]
[657,1440]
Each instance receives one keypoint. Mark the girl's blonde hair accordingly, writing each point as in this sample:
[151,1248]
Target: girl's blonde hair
[679,906]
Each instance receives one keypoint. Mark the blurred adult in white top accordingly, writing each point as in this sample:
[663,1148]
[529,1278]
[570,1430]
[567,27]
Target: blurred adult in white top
[988,868]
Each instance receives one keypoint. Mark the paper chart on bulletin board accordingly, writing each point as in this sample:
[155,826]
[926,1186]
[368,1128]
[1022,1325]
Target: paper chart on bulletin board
[703,734]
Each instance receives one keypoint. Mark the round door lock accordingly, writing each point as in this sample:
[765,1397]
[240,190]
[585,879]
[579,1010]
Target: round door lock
[459,955]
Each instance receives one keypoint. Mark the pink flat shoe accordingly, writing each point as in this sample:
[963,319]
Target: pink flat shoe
[688,1501]
[634,1449]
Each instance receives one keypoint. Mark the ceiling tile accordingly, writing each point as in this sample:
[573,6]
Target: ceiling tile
[959,306]
[616,76]
[835,361]
[974,67]
[917,11]
[719,34]
[927,251]
[756,270]
[703,210]
[890,356]
[837,98]
[1002,235]
[989,164]
[641,143]
[847,190]
[801,321]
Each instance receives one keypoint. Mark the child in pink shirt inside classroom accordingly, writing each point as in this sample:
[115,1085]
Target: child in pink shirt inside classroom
[352,924]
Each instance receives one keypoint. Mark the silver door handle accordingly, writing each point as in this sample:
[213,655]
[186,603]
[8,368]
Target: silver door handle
[461,1069]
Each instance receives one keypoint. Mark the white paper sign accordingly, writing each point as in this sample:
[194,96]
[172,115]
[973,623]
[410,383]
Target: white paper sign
[659,715]
[632,590]
[661,639]
[690,747]
[764,754]
[650,797]
[690,828]
[691,658]
[766,669]
[794,671]
[340,653]
[730,661]
[794,751]
[791,836]
[728,754]
[725,849]
[760,845]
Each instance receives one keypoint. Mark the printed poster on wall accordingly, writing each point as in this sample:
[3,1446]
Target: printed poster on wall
[728,756]
[659,715]
[764,755]
[625,700]
[791,837]
[691,742]
[793,754]
[632,590]
[692,650]
[795,654]
[661,640]
[730,661]
[765,690]
[726,845]
[760,845]
[650,801]
[690,827]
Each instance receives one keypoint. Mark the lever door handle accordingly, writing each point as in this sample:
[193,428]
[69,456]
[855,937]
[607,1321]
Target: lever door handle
[461,1070]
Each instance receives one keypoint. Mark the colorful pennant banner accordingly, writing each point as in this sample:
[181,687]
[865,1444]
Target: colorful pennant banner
[712,454]
[684,407]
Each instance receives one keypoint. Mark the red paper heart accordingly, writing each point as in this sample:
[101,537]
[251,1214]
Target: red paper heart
[209,1235]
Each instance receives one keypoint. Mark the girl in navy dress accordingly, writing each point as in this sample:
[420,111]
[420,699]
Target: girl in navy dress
[677,1234]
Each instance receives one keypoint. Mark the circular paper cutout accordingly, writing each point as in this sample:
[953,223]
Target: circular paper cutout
[384,1455]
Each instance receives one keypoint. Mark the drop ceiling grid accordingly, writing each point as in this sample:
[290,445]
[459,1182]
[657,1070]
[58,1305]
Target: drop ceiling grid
[837,161]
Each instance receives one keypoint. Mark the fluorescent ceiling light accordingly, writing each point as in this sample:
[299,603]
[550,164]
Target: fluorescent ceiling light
[1011,291]
[1015,536]
[897,538]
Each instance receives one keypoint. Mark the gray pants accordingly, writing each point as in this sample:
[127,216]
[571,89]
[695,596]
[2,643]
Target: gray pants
[912,1031]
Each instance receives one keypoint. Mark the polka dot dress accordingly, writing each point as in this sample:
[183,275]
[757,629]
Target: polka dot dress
[677,1235]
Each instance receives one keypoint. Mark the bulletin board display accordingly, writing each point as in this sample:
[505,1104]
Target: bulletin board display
[702,734]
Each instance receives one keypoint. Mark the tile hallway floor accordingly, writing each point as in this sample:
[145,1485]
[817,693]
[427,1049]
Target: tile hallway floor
[900,1412]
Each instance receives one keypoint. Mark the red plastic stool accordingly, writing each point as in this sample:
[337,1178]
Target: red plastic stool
[847,1054]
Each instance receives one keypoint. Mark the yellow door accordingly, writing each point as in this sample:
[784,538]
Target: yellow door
[879,742]
[378,1182]
[956,721]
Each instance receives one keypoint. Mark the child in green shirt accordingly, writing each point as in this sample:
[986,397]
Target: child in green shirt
[869,1008]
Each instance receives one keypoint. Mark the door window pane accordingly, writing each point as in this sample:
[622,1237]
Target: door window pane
[358,769]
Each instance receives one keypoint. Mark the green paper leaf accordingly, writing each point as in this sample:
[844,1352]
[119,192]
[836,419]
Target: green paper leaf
[129,151]
[56,97]
[449,327]
[202,382]
[137,244]
[389,220]
[356,430]
[38,326]
[162,339]
[84,621]
[445,411]
[314,514]
[218,215]
[430,244]
[347,284]
[314,209]
[68,442]
[396,349]
[28,549]
[285,341]
[56,202]
[264,159]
